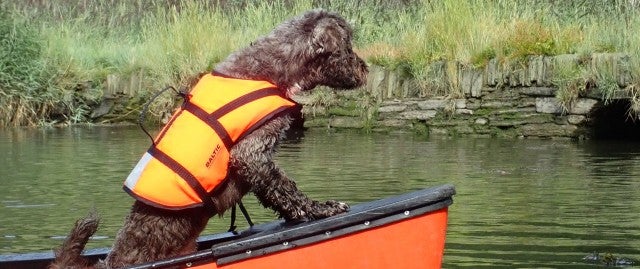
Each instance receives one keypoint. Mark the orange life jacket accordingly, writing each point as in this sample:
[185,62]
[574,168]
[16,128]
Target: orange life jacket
[190,156]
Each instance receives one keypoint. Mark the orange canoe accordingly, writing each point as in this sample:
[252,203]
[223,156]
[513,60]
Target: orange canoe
[404,231]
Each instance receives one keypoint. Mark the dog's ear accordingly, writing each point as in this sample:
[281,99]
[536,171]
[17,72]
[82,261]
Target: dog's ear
[328,36]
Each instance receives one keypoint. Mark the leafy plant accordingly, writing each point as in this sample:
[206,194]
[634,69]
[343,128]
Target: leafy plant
[571,80]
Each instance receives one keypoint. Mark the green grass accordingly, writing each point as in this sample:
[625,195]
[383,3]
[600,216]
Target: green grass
[572,80]
[49,48]
[25,95]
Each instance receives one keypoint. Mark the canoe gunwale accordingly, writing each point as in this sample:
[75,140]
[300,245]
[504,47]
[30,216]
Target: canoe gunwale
[285,244]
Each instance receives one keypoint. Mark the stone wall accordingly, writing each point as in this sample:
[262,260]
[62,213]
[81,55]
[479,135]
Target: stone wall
[520,99]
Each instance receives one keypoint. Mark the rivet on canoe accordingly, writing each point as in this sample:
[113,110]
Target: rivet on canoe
[366,223]
[285,243]
[248,252]
[406,213]
[327,233]
[189,264]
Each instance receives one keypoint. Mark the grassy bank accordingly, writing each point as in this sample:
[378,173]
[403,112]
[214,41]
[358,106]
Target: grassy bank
[55,58]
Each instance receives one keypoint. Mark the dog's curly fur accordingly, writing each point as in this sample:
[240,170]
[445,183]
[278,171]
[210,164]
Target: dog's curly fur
[300,54]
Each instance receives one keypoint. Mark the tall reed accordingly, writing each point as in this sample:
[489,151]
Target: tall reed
[70,44]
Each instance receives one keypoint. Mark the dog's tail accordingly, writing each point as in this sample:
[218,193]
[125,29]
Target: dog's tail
[69,254]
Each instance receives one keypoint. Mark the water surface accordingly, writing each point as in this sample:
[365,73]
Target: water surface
[519,203]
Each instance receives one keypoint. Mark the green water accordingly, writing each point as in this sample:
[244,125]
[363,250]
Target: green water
[519,203]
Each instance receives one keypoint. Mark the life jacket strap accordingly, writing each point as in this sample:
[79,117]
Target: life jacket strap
[193,182]
[245,99]
[245,213]
[211,121]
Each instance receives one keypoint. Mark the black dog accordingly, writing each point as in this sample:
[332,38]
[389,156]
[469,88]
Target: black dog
[300,54]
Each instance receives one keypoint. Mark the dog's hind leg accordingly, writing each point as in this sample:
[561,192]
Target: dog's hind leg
[151,233]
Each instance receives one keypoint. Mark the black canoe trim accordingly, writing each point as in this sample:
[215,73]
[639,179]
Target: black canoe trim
[277,236]
[356,216]
[43,259]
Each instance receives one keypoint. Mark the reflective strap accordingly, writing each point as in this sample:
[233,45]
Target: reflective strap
[184,174]
[135,174]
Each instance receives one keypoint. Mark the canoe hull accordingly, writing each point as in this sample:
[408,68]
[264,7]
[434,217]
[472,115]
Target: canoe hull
[404,231]
[412,243]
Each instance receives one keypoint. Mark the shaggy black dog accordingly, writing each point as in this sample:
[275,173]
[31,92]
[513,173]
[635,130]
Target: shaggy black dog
[298,55]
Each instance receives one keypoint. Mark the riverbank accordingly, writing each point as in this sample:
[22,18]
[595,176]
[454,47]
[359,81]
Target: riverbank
[535,98]
[566,96]
[100,62]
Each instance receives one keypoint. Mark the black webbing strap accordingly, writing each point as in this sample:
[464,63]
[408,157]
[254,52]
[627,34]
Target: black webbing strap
[245,213]
[185,174]
[211,121]
[232,226]
[245,99]
[212,118]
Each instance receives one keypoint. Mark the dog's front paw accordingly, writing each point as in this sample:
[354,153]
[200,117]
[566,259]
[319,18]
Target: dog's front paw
[328,209]
[339,207]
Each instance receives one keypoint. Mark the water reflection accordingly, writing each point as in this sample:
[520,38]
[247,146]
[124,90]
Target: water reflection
[520,203]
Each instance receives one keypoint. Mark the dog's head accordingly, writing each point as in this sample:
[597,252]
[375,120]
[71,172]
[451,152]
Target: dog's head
[302,53]
[329,53]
